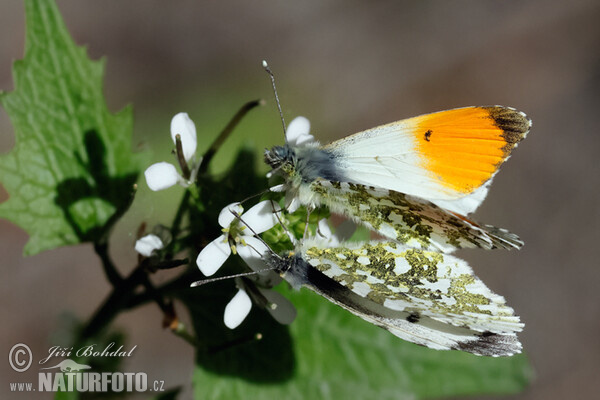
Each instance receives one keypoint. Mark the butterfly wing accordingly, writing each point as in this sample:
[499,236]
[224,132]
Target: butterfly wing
[424,297]
[424,331]
[408,219]
[448,157]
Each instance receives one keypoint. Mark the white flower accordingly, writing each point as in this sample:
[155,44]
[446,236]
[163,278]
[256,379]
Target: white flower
[298,132]
[163,175]
[237,237]
[292,203]
[147,244]
[182,125]
[237,309]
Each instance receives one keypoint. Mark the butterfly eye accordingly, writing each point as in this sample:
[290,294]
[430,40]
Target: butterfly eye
[278,156]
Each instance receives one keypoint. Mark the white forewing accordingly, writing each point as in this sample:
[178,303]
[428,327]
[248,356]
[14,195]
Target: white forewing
[448,157]
[387,156]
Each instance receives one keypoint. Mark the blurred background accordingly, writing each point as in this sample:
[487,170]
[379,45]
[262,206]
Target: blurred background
[347,66]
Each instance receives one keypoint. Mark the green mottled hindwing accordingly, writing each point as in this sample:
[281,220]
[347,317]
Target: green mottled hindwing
[419,282]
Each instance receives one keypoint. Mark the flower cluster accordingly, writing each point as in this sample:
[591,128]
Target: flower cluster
[239,228]
[239,237]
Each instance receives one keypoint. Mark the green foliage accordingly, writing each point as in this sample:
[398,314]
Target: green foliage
[74,395]
[72,170]
[170,394]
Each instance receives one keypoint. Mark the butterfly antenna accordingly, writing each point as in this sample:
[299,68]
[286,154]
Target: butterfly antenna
[268,69]
[255,195]
[222,278]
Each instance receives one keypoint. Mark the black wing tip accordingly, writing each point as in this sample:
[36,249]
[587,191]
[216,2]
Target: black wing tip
[503,239]
[492,345]
[515,124]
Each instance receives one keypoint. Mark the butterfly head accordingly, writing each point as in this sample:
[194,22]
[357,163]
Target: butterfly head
[281,158]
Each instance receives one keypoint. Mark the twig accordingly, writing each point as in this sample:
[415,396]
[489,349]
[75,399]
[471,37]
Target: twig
[113,276]
[113,304]
[226,132]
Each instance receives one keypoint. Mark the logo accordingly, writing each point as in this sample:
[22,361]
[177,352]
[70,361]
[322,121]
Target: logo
[20,357]
[69,375]
[69,366]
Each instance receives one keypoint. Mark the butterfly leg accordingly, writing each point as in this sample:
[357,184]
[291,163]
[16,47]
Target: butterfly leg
[309,210]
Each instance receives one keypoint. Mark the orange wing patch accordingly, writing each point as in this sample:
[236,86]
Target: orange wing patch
[464,147]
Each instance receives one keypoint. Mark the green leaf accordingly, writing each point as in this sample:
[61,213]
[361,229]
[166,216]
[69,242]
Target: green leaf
[72,170]
[170,394]
[336,355]
[74,395]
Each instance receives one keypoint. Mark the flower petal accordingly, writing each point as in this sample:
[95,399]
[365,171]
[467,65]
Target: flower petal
[278,188]
[324,230]
[292,202]
[261,217]
[213,256]
[237,309]
[281,309]
[253,253]
[182,124]
[300,126]
[303,139]
[161,175]
[147,244]
[226,215]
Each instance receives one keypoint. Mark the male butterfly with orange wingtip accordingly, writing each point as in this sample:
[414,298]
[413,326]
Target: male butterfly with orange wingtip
[414,180]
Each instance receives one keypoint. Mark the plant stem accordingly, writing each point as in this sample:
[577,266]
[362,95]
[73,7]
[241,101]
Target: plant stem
[123,288]
[110,270]
[181,210]
[179,283]
[181,331]
[113,304]
[226,132]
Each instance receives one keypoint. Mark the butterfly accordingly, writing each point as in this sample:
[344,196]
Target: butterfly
[424,297]
[413,181]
